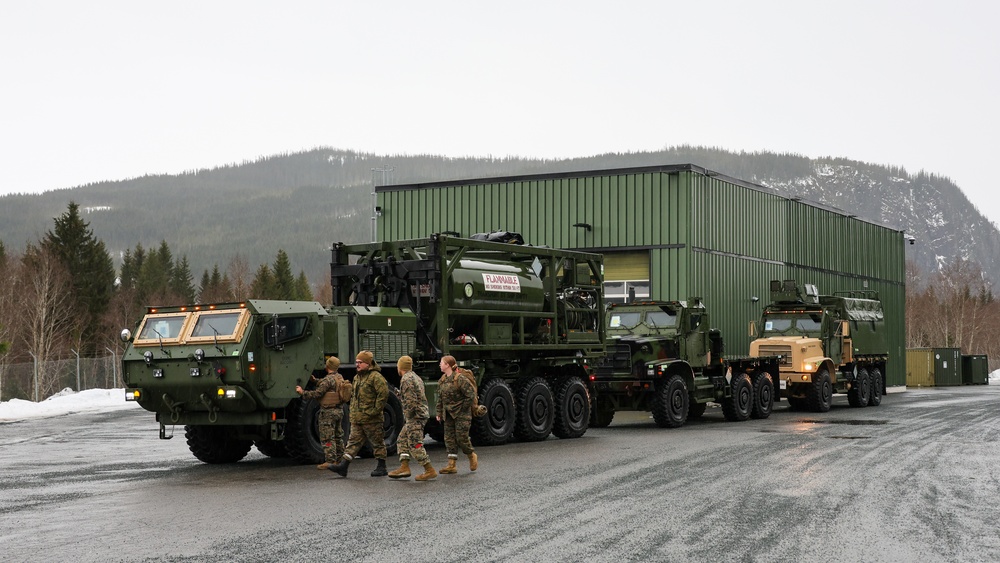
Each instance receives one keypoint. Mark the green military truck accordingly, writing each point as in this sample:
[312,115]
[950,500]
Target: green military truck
[828,343]
[664,358]
[525,320]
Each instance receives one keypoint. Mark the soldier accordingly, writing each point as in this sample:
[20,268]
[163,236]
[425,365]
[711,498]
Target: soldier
[331,412]
[456,398]
[411,437]
[367,403]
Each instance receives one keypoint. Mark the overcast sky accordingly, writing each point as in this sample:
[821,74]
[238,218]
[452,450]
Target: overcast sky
[105,90]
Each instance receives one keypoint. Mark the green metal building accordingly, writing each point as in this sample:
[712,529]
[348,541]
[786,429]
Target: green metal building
[672,232]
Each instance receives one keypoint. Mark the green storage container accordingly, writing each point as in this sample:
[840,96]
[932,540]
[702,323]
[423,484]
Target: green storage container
[933,367]
[975,369]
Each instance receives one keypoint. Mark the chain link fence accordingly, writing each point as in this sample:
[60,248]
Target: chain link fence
[36,381]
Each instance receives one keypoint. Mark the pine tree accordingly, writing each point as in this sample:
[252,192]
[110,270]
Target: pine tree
[91,270]
[284,281]
[262,286]
[303,291]
[181,280]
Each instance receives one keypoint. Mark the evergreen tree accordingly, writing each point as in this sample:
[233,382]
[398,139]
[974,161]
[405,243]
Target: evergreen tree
[153,286]
[205,287]
[91,270]
[181,281]
[284,281]
[303,291]
[262,286]
[3,255]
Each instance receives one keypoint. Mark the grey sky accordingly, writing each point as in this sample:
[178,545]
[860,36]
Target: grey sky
[108,90]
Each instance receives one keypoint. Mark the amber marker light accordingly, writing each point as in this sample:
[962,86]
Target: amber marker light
[253,368]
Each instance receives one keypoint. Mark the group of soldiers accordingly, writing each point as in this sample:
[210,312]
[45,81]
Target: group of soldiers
[368,394]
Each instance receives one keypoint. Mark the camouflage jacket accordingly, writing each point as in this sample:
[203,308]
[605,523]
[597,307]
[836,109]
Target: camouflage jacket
[370,394]
[326,391]
[456,395]
[411,392]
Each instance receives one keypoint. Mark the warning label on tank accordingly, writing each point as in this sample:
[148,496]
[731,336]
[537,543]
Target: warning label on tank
[502,282]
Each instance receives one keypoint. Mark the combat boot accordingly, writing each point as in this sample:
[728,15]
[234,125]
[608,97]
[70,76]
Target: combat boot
[403,471]
[324,465]
[341,468]
[473,461]
[428,473]
[379,470]
[450,468]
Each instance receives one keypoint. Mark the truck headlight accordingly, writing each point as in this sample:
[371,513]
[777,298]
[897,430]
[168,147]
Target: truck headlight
[132,394]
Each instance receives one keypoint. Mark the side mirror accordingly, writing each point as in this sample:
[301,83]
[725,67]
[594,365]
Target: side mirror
[125,335]
[752,331]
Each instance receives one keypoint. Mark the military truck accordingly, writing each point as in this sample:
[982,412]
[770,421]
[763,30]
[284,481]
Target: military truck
[828,343]
[525,320]
[663,357]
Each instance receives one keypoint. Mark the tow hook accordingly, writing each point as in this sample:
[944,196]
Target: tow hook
[213,411]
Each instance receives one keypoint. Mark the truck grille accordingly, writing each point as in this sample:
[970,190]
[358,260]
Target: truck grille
[783,350]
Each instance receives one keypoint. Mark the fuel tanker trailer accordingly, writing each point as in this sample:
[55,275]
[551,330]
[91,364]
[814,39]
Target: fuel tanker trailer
[525,320]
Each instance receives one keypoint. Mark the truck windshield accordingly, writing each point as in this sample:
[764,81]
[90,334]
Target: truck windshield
[162,327]
[801,324]
[661,319]
[219,324]
[627,320]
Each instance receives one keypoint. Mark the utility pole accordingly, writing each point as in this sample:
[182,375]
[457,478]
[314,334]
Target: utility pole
[35,364]
[75,353]
[380,177]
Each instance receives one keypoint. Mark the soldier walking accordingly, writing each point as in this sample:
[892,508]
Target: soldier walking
[457,396]
[367,403]
[415,412]
[331,411]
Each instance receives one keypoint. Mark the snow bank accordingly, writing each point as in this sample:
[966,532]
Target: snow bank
[64,402]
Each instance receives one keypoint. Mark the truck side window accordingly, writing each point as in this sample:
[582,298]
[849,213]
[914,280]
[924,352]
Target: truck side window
[289,328]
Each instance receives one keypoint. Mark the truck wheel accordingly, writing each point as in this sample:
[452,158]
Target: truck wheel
[763,394]
[695,409]
[271,448]
[572,408]
[216,444]
[820,393]
[670,403]
[602,412]
[534,410]
[302,432]
[860,391]
[497,425]
[739,407]
[875,397]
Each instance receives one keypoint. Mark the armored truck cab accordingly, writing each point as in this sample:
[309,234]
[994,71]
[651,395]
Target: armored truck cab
[828,343]
[664,358]
[227,372]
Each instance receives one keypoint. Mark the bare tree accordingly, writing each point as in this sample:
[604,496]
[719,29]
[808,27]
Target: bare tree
[240,277]
[48,312]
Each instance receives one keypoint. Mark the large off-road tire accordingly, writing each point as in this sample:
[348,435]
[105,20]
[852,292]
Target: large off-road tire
[860,391]
[875,397]
[302,431]
[535,414]
[392,425]
[763,394]
[497,425]
[819,395]
[602,411]
[572,408]
[271,448]
[695,409]
[216,444]
[670,402]
[739,407]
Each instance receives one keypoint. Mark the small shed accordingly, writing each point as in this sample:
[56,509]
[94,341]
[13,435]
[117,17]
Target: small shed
[975,369]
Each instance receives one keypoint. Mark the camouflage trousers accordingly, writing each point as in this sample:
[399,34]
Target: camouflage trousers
[411,441]
[331,433]
[456,434]
[371,432]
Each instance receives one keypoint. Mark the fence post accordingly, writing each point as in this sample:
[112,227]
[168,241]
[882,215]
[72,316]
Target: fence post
[77,369]
[34,363]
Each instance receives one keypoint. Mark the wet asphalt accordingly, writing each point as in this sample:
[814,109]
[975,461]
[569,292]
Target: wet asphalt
[916,479]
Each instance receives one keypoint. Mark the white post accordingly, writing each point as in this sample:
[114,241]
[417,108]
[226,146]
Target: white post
[114,366]
[35,364]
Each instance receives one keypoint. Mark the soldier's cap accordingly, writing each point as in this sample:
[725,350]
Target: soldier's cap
[404,364]
[366,357]
[332,363]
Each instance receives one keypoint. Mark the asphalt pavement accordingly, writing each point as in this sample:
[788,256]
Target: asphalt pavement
[916,479]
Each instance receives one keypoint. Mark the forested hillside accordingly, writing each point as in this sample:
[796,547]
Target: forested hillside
[302,202]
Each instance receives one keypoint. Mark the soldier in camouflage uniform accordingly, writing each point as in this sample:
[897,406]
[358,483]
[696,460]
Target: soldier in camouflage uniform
[411,437]
[367,404]
[331,412]
[456,397]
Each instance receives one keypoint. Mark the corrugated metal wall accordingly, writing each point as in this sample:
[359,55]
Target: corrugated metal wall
[707,235]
